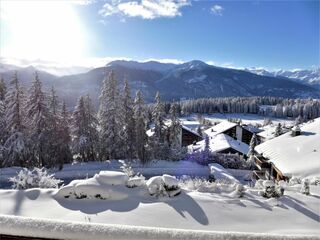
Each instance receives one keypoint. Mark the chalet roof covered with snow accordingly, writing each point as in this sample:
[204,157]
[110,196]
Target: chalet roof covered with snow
[220,128]
[190,130]
[268,132]
[295,156]
[150,131]
[222,142]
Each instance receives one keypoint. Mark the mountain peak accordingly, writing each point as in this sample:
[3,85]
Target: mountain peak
[150,65]
[194,64]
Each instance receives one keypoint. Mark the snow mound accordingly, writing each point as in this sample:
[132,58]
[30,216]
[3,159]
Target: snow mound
[220,173]
[155,185]
[105,185]
[112,178]
[164,185]
[170,181]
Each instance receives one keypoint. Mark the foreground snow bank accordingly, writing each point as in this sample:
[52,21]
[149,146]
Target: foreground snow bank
[45,228]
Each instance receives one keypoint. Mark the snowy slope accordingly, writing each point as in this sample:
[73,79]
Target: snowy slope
[295,156]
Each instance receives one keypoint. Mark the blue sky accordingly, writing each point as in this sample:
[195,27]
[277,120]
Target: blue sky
[270,34]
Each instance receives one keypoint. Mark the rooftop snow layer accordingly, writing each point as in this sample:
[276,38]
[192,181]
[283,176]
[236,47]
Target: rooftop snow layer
[219,128]
[222,142]
[295,156]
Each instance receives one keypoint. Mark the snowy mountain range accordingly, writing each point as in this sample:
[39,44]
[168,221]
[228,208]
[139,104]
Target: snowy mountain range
[188,80]
[309,76]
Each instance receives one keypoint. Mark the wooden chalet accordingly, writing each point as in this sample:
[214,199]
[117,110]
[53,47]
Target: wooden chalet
[189,136]
[295,153]
[242,133]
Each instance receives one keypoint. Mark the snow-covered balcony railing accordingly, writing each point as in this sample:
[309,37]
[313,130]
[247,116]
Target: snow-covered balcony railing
[261,163]
[259,175]
[53,229]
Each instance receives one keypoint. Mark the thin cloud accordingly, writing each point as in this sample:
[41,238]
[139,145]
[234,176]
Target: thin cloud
[145,9]
[217,10]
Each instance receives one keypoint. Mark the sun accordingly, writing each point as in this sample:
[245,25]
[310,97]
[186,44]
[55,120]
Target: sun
[49,30]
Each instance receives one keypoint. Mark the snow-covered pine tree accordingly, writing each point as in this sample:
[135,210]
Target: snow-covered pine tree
[3,89]
[39,120]
[80,139]
[59,151]
[65,155]
[159,141]
[127,119]
[158,117]
[16,145]
[175,128]
[141,138]
[109,118]
[199,131]
[92,129]
[54,125]
[278,130]
[253,144]
[3,134]
[84,130]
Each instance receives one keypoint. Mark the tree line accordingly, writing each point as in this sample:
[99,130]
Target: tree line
[266,106]
[38,130]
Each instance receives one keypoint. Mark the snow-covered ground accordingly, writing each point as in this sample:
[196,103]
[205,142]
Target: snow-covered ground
[192,122]
[219,210]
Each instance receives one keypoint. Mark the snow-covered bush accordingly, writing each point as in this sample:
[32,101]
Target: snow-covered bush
[294,181]
[197,184]
[202,157]
[36,178]
[305,189]
[164,185]
[234,161]
[126,168]
[238,192]
[271,190]
[135,181]
[315,181]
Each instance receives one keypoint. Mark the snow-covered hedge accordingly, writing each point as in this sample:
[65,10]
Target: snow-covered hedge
[197,184]
[36,178]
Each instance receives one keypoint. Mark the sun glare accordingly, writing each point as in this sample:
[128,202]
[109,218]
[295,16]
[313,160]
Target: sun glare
[42,29]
